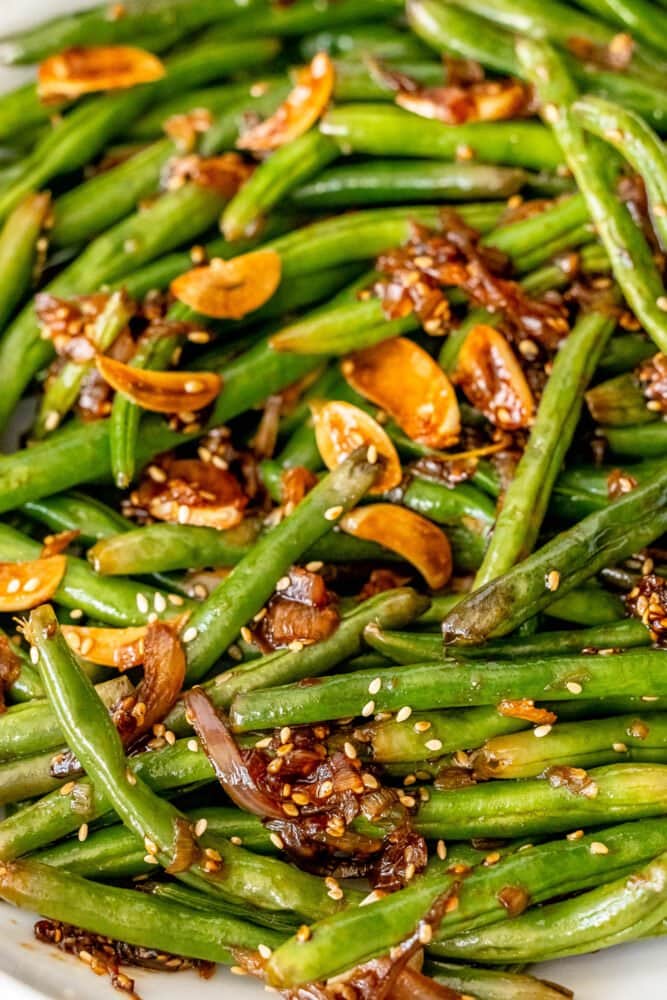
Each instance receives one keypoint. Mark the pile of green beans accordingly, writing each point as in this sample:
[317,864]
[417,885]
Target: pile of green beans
[482,680]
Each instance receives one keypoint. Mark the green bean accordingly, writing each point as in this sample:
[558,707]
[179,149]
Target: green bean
[544,871]
[18,251]
[306,16]
[150,21]
[601,539]
[425,686]
[580,490]
[216,622]
[410,647]
[383,41]
[117,602]
[629,253]
[491,984]
[135,917]
[575,744]
[387,181]
[274,179]
[91,207]
[55,815]
[378,130]
[588,605]
[358,80]
[638,441]
[214,100]
[526,499]
[624,352]
[624,910]
[34,727]
[338,331]
[113,853]
[27,685]
[21,111]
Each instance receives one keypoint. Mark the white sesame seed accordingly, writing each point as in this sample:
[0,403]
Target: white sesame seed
[598,848]
[193,746]
[75,614]
[433,745]
[295,646]
[131,778]
[67,788]
[276,840]
[190,634]
[425,933]
[375,685]
[183,515]
[51,420]
[200,827]
[403,714]
[661,302]
[372,454]
[34,655]
[236,841]
[575,835]
[14,585]
[574,687]
[552,581]
[263,743]
[649,697]
[283,583]
[333,513]
[86,645]
[620,747]
[541,731]
[150,859]
[83,832]
[175,599]
[31,584]
[246,634]
[264,950]
[159,603]
[142,603]
[441,849]
[350,751]
[315,566]
[368,709]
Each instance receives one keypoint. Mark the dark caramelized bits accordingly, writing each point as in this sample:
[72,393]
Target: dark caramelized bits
[484,101]
[619,483]
[648,602]
[525,708]
[224,174]
[301,611]
[616,55]
[105,956]
[652,377]
[575,779]
[514,899]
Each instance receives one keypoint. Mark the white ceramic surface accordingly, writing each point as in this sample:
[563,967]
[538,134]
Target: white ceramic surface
[31,971]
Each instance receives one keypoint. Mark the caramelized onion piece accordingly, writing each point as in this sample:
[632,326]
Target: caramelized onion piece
[418,541]
[164,673]
[74,72]
[24,585]
[122,648]
[488,101]
[341,428]
[53,545]
[298,112]
[160,392]
[403,379]
[221,749]
[492,379]
[228,289]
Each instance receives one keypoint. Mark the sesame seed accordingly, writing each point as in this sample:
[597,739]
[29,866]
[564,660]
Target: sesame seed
[541,731]
[263,743]
[620,747]
[13,586]
[150,845]
[31,584]
[425,933]
[283,583]
[86,645]
[368,709]
[375,685]
[303,933]
[553,580]
[295,646]
[34,655]
[159,603]
[142,603]
[51,420]
[661,302]
[350,751]
[649,697]
[183,515]
[315,566]
[75,614]
[492,859]
[276,840]
[131,778]
[83,832]
[193,746]
[372,454]
[246,634]
[236,841]
[598,848]
[67,788]
[200,827]
[372,897]
[236,970]
[433,745]
[403,714]
[264,950]
[574,687]
[170,737]
[441,849]
[333,513]
[157,474]
[190,634]
[408,801]
[422,727]
[234,652]
[285,734]
[175,599]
